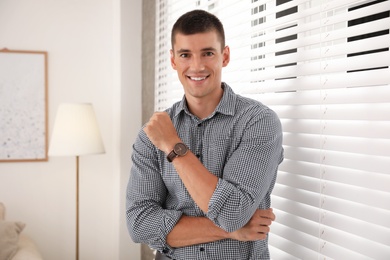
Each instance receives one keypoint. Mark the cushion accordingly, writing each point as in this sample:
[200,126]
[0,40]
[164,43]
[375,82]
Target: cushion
[27,250]
[9,236]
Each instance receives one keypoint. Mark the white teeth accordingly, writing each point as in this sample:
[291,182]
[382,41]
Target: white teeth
[198,78]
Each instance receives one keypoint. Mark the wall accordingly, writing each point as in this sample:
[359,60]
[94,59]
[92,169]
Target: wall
[87,42]
[148,65]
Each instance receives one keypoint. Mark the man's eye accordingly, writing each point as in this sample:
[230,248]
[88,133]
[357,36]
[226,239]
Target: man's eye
[184,55]
[209,53]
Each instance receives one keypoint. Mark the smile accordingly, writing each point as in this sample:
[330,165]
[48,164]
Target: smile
[197,78]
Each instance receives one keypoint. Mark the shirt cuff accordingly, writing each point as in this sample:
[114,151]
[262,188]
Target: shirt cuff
[169,220]
[221,194]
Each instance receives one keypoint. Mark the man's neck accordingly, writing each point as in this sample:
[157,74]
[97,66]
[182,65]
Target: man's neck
[203,107]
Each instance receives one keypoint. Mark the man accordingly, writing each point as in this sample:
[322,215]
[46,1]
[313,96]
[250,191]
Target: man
[204,169]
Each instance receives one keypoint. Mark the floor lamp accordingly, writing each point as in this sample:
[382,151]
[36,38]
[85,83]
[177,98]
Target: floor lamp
[75,133]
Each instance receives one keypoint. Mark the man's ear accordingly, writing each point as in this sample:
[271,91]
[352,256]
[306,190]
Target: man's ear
[226,56]
[173,64]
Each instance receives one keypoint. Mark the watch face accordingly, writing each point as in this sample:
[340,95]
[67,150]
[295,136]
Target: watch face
[180,149]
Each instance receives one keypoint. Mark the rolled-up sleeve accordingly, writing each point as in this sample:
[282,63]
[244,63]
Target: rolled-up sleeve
[147,221]
[249,173]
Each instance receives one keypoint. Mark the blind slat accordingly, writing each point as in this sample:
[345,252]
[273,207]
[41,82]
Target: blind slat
[326,96]
[343,241]
[364,129]
[336,112]
[369,146]
[316,67]
[335,80]
[289,249]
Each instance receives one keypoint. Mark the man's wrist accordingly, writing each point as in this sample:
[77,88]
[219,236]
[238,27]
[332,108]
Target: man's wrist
[179,150]
[170,145]
[219,233]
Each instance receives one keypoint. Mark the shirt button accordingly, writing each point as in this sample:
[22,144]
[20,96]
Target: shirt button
[165,250]
[201,249]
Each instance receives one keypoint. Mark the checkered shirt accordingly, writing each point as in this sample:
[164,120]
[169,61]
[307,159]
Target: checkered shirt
[241,143]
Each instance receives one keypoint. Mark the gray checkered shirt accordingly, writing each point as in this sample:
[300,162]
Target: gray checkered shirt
[241,143]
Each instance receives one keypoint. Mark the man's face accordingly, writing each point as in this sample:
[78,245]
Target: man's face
[198,60]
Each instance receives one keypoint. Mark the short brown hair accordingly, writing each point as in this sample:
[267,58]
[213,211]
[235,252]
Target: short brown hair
[198,21]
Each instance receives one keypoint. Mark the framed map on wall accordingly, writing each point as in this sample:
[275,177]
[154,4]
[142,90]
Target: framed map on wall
[23,106]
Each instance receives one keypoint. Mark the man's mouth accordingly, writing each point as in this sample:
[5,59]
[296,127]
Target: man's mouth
[197,78]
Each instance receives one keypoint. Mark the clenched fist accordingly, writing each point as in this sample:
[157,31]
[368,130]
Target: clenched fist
[161,132]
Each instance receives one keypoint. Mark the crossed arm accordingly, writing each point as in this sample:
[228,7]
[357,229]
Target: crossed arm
[194,230]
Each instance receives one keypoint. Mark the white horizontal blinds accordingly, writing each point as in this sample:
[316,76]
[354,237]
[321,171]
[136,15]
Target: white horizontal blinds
[162,46]
[309,38]
[325,71]
[323,66]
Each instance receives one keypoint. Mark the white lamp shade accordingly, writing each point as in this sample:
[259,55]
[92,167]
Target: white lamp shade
[75,131]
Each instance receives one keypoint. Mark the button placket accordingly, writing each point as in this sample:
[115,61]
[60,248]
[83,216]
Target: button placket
[198,140]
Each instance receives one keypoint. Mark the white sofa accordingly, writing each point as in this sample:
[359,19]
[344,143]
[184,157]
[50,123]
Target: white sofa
[14,245]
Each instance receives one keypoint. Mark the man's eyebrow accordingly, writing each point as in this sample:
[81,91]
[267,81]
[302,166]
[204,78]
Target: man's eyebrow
[182,51]
[204,49]
[209,49]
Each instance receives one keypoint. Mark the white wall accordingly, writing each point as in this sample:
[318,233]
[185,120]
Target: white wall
[87,52]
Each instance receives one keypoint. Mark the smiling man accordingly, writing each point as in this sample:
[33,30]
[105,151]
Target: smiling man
[204,169]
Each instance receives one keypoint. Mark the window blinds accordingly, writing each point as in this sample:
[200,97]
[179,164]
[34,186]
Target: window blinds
[323,66]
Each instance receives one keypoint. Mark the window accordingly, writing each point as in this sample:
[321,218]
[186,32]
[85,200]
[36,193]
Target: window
[323,66]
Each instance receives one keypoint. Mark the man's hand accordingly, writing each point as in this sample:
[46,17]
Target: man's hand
[161,132]
[257,227]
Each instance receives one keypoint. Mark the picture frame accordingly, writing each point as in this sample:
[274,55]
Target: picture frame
[23,106]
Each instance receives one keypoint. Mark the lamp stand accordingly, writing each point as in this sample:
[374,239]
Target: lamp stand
[76,133]
[77,207]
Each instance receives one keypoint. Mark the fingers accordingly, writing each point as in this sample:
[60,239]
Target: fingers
[257,228]
[261,222]
[258,233]
[266,213]
[263,229]
[265,221]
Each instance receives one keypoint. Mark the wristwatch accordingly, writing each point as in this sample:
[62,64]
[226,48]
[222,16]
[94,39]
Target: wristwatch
[179,149]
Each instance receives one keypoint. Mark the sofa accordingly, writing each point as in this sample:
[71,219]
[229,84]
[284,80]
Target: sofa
[14,245]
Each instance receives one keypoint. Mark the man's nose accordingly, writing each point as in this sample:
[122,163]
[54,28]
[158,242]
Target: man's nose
[197,63]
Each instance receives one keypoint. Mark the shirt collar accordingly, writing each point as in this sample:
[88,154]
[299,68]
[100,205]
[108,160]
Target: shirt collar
[226,105]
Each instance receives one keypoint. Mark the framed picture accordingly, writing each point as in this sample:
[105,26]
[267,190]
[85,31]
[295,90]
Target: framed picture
[23,106]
